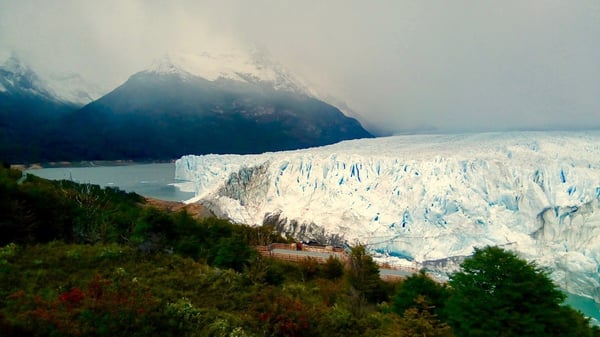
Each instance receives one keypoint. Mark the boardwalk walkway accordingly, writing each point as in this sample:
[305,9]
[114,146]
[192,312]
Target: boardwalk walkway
[296,253]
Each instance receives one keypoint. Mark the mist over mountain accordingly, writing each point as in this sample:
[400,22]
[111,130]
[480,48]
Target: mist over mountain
[165,111]
[28,111]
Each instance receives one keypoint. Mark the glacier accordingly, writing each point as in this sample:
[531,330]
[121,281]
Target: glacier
[425,200]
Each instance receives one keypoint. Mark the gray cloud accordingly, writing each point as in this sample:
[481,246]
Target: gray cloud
[401,65]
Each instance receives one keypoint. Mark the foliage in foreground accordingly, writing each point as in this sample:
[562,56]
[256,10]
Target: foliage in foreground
[114,290]
[498,294]
[86,261]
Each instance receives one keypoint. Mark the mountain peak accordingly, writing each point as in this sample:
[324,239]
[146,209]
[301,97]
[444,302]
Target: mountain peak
[13,64]
[16,76]
[166,66]
[251,66]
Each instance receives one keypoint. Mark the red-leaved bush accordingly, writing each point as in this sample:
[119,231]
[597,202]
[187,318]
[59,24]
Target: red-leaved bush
[102,308]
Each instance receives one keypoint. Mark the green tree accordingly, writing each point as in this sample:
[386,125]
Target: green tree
[363,274]
[418,321]
[420,286]
[498,294]
[233,253]
[333,268]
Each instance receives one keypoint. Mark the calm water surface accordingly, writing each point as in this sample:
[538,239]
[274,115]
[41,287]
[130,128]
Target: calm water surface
[150,180]
[586,305]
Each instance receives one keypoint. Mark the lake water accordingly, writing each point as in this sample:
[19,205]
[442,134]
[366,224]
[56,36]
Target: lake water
[586,305]
[157,181]
[150,180]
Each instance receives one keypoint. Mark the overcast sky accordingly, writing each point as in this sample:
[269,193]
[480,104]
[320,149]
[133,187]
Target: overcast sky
[449,65]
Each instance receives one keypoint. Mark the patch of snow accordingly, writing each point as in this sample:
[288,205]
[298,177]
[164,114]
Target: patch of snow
[69,88]
[73,88]
[251,66]
[18,76]
[166,66]
[13,65]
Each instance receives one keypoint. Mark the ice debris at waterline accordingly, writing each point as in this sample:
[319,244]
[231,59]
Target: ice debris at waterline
[426,199]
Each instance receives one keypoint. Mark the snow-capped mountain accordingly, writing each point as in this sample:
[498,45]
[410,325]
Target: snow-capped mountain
[182,103]
[19,79]
[248,66]
[166,111]
[16,78]
[426,200]
[73,88]
[32,108]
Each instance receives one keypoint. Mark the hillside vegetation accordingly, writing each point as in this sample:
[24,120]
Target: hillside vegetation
[80,260]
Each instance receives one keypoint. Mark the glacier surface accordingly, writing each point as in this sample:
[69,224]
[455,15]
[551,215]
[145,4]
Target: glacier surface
[426,200]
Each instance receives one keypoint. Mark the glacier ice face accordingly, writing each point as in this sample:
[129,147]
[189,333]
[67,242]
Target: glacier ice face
[427,199]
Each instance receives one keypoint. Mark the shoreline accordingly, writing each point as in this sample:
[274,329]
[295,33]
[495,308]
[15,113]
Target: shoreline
[87,163]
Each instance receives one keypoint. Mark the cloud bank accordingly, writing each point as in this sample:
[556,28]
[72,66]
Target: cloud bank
[402,66]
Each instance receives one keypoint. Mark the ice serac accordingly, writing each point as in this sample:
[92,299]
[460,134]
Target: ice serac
[426,200]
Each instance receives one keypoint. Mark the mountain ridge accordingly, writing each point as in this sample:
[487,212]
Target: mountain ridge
[197,115]
[18,78]
[166,111]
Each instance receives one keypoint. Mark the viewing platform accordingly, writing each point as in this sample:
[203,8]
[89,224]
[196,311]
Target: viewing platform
[297,252]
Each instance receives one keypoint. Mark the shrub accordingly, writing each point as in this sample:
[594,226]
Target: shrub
[103,308]
[498,294]
[420,286]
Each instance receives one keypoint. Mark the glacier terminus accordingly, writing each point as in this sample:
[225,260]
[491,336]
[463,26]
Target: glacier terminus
[425,200]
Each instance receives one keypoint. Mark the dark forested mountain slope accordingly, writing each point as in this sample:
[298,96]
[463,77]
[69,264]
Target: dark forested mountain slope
[29,112]
[162,113]
[166,115]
